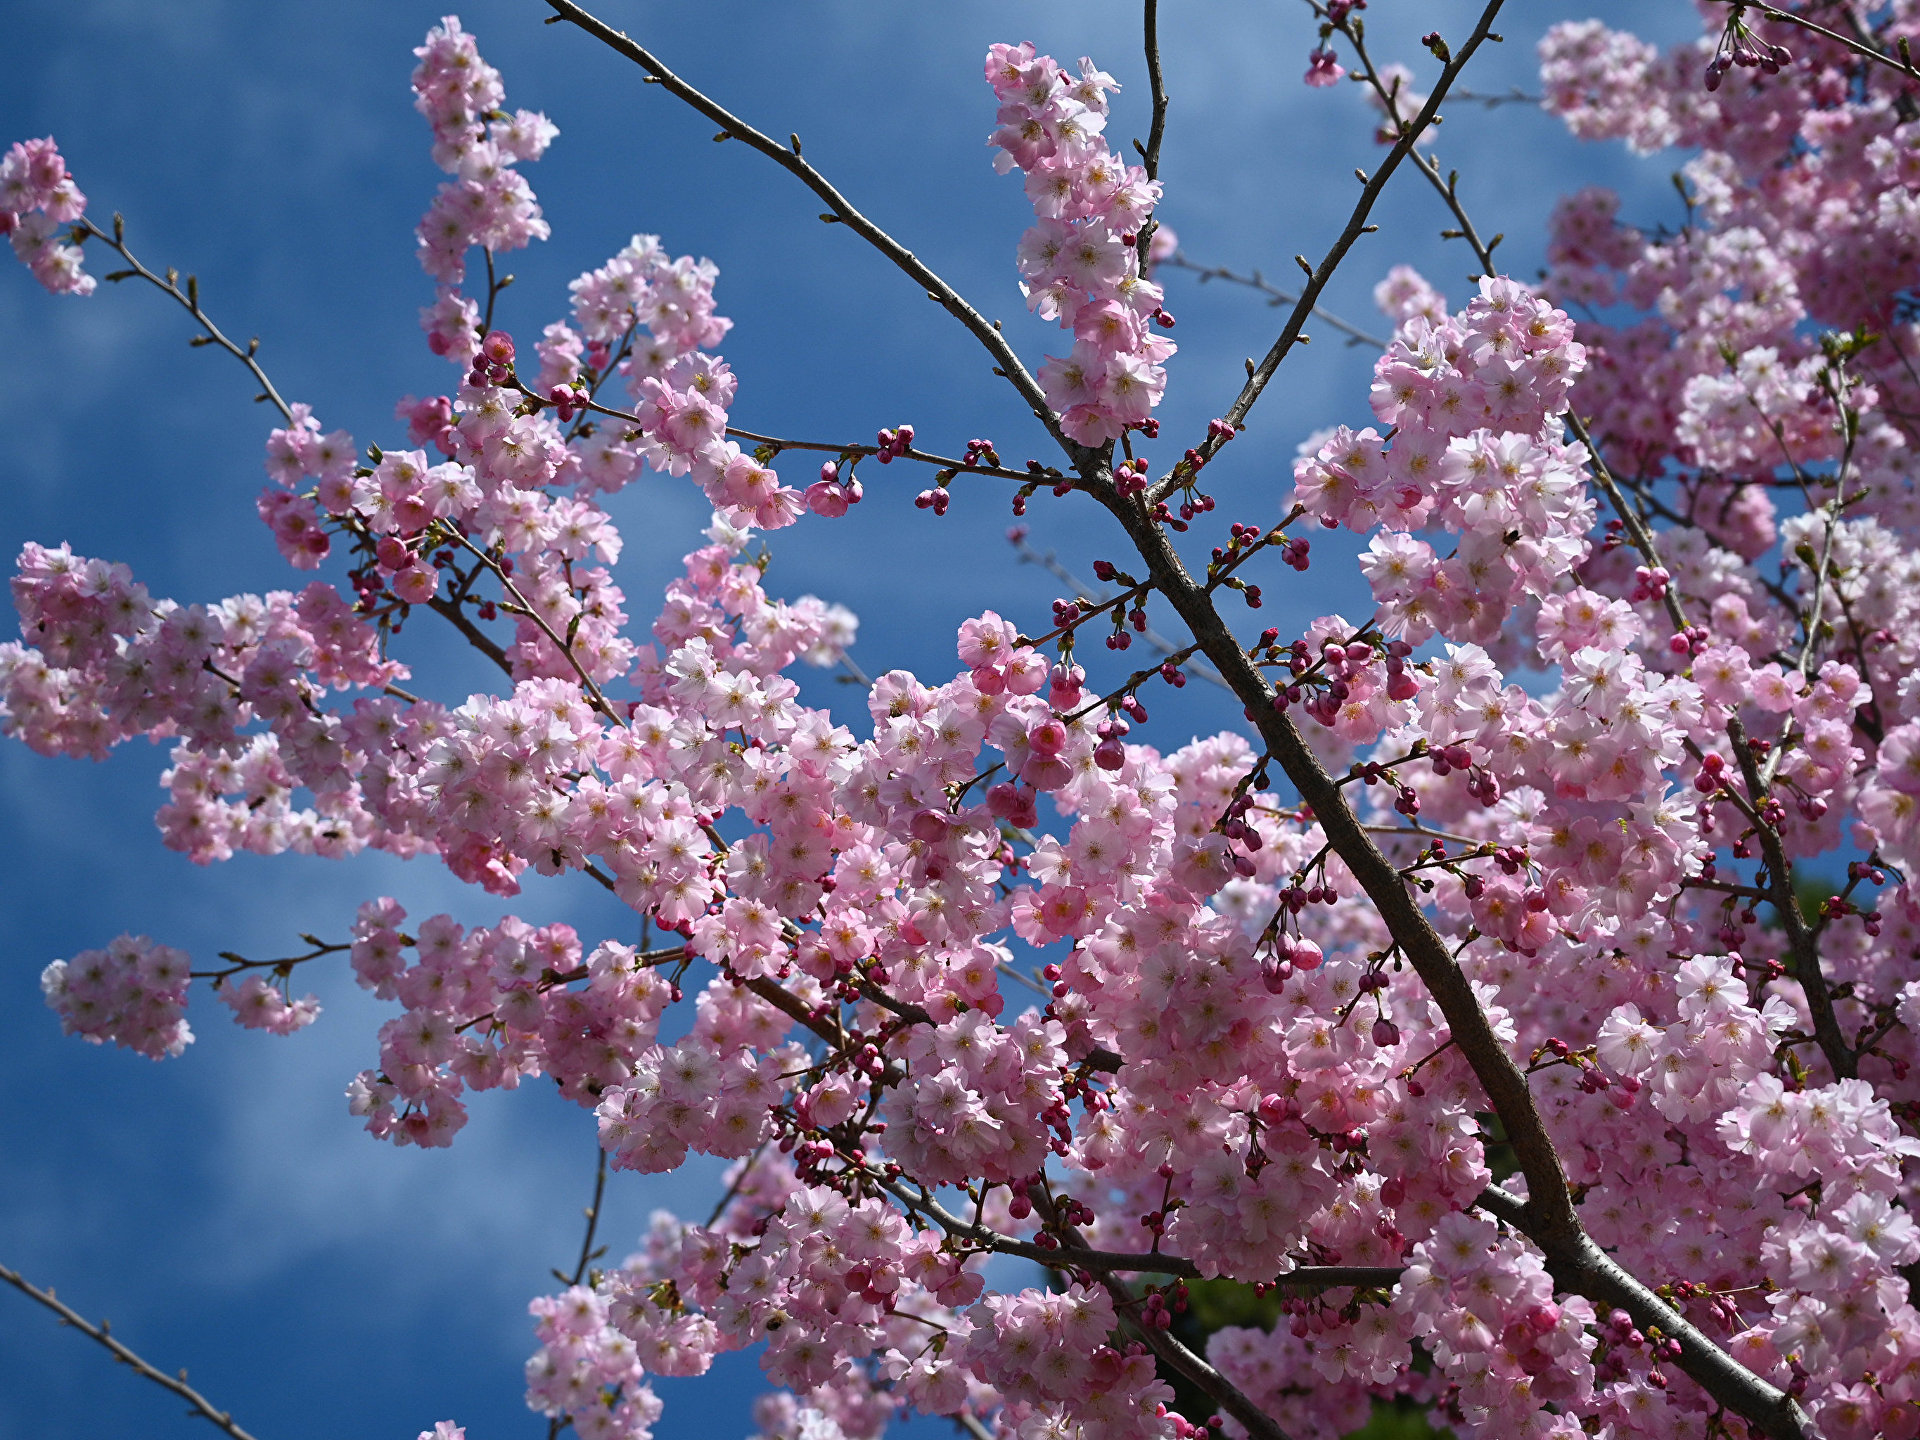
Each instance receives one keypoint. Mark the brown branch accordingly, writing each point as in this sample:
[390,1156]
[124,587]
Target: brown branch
[840,209]
[189,300]
[593,1219]
[1157,128]
[1356,226]
[99,1334]
[1318,1277]
[450,611]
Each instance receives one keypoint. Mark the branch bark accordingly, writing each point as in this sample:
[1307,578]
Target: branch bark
[842,210]
[1547,1216]
[101,1335]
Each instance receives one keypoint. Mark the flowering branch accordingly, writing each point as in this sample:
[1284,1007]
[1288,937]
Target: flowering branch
[840,209]
[1903,66]
[1547,1216]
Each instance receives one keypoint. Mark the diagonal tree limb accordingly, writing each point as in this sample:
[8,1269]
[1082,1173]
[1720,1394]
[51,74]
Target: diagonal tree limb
[101,1335]
[840,209]
[189,300]
[1322,275]
[1547,1216]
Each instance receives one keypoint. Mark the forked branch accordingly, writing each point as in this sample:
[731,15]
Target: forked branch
[840,209]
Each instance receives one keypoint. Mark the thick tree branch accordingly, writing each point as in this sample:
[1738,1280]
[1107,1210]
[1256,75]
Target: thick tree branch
[1547,1216]
[100,1334]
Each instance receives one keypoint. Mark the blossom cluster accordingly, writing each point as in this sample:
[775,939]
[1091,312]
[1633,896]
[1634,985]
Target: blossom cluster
[37,198]
[1081,262]
[488,202]
[1227,1064]
[1472,402]
[134,993]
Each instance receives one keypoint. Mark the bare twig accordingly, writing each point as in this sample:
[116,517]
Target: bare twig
[239,963]
[1512,95]
[199,1403]
[965,467]
[1157,83]
[189,300]
[1256,281]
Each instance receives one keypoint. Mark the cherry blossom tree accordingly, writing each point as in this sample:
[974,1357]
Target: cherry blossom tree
[1524,997]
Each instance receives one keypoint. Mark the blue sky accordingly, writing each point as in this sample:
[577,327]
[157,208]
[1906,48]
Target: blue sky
[223,1209]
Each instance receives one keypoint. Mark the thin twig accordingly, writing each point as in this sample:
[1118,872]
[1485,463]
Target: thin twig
[840,209]
[1156,81]
[965,467]
[1050,562]
[1513,95]
[1157,129]
[1081,1257]
[285,964]
[189,300]
[593,1216]
[1256,281]
[1357,225]
[201,1406]
[526,607]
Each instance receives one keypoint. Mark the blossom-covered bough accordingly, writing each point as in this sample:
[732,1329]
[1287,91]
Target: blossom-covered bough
[1300,990]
